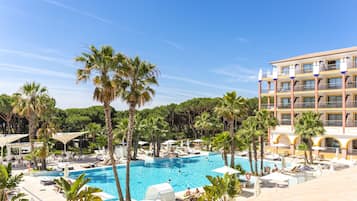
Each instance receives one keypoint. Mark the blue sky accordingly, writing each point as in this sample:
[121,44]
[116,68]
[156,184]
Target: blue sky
[202,47]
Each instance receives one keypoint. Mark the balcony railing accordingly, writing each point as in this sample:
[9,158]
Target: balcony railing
[284,106]
[305,105]
[304,88]
[284,89]
[331,104]
[351,123]
[268,107]
[352,84]
[285,122]
[332,123]
[351,104]
[330,86]
[267,91]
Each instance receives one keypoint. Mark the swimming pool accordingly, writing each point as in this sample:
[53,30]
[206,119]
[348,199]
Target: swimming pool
[182,173]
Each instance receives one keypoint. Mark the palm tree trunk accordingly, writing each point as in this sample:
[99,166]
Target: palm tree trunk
[32,130]
[310,150]
[231,133]
[250,157]
[262,154]
[108,123]
[225,157]
[255,156]
[129,141]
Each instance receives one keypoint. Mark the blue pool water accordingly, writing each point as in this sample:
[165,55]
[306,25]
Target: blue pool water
[183,172]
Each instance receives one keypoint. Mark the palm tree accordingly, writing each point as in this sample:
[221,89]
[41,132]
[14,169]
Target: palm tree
[309,125]
[208,124]
[77,191]
[266,120]
[137,77]
[222,142]
[221,188]
[230,108]
[44,133]
[249,132]
[30,102]
[8,182]
[6,110]
[101,65]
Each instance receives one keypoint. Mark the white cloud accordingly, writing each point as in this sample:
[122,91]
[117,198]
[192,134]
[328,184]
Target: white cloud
[205,84]
[242,40]
[31,55]
[77,11]
[36,71]
[173,44]
[237,73]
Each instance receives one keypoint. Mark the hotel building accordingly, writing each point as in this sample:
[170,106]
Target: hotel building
[324,82]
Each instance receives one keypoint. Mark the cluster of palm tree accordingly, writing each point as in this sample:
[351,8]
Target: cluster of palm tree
[77,190]
[308,125]
[115,75]
[221,189]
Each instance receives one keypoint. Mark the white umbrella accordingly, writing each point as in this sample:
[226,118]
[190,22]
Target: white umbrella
[188,143]
[142,142]
[226,169]
[283,163]
[198,141]
[276,176]
[257,189]
[65,172]
[167,142]
[318,148]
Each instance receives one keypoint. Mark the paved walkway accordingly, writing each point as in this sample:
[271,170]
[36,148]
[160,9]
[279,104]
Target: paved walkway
[339,185]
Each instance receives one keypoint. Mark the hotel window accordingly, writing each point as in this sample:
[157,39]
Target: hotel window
[334,101]
[309,102]
[285,70]
[285,103]
[309,84]
[307,68]
[285,119]
[334,83]
[333,65]
[334,120]
[355,62]
[285,86]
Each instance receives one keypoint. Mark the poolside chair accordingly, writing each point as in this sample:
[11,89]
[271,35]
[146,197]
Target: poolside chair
[46,181]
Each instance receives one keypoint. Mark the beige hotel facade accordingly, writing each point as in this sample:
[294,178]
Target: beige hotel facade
[324,82]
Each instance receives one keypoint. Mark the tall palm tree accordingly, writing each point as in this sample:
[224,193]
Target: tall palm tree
[31,102]
[249,132]
[44,133]
[77,191]
[101,65]
[222,142]
[308,125]
[137,78]
[266,120]
[230,108]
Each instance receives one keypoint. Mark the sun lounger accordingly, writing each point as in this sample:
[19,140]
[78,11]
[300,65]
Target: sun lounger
[47,181]
[273,157]
[193,151]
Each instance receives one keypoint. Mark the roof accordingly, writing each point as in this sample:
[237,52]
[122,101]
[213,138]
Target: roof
[317,54]
[66,137]
[7,139]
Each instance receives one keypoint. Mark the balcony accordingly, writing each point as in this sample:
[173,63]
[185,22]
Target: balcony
[330,86]
[284,89]
[284,106]
[331,104]
[305,105]
[285,122]
[266,91]
[304,88]
[332,123]
[351,123]
[352,84]
[267,107]
[351,104]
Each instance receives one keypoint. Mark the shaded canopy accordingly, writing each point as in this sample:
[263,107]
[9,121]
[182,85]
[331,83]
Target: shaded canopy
[7,139]
[66,137]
